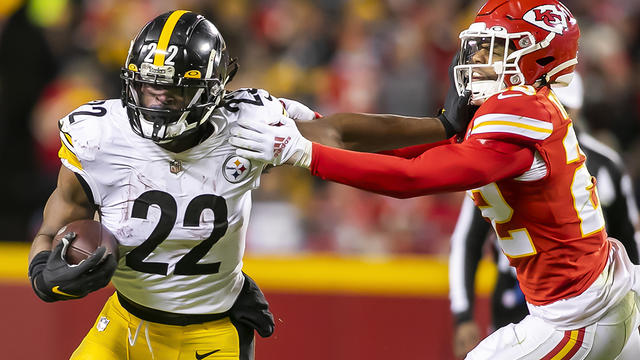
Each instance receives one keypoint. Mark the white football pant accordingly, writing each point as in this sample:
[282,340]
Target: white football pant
[614,336]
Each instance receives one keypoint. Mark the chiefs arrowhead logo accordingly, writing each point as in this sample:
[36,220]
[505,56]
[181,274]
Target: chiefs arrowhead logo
[553,18]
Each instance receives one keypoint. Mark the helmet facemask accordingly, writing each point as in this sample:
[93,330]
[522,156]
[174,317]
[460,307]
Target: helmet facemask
[174,76]
[163,106]
[489,60]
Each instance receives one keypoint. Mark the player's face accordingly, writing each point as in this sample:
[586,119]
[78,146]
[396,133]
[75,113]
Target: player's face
[478,51]
[162,97]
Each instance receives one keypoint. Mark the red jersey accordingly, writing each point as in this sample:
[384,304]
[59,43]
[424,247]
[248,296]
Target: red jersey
[548,220]
[521,160]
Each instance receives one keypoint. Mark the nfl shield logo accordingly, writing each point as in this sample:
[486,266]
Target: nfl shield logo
[175,166]
[102,324]
[236,169]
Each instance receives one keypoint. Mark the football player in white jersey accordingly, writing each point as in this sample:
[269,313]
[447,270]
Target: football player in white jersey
[157,167]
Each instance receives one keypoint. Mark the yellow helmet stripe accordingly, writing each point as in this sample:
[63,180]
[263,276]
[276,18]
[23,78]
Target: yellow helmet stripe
[165,35]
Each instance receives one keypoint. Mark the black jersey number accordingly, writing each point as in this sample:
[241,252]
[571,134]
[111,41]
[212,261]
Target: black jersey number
[96,110]
[188,264]
[231,103]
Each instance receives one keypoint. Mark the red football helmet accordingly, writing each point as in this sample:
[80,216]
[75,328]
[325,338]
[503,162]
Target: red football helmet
[517,42]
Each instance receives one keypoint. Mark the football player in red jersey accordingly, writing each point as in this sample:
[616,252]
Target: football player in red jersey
[522,165]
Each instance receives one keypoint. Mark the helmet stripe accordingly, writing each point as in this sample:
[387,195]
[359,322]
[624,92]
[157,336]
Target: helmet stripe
[165,35]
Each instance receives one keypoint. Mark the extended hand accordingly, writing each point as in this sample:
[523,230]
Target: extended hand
[457,112]
[276,144]
[54,279]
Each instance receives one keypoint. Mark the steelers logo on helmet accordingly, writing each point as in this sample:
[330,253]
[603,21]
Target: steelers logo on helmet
[236,169]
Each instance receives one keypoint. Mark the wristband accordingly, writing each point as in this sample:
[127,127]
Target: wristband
[38,263]
[36,266]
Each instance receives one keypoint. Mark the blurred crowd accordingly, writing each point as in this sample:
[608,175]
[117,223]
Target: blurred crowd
[388,56]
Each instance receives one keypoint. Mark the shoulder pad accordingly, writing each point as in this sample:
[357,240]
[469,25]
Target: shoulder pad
[254,103]
[517,114]
[90,110]
[247,97]
[80,125]
[517,100]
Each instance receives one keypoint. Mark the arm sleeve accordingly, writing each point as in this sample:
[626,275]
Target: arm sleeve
[445,168]
[466,250]
[414,151]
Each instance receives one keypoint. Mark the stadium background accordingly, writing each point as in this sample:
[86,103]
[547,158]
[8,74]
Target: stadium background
[350,275]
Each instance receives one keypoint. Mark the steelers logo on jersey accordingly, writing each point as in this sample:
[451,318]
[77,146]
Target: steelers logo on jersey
[236,169]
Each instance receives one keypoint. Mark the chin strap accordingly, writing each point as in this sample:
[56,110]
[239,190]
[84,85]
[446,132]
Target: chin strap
[544,43]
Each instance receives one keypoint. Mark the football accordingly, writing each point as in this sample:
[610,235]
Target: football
[90,235]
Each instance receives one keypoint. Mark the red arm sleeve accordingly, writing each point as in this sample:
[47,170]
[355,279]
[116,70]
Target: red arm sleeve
[414,151]
[445,168]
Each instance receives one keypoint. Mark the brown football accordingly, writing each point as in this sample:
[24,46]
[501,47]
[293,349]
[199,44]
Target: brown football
[90,235]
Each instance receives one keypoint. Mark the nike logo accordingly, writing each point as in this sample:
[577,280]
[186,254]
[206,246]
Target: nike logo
[56,290]
[202,356]
[502,96]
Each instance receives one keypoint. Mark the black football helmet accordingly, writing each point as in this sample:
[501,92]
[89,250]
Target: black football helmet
[181,53]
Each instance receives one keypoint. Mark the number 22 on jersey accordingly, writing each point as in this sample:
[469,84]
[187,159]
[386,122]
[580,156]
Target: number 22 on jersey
[189,263]
[515,241]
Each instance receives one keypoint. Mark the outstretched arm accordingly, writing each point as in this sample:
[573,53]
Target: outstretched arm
[445,168]
[372,132]
[378,132]
[451,167]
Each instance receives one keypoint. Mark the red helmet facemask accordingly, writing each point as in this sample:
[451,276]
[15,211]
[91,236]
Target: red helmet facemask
[517,42]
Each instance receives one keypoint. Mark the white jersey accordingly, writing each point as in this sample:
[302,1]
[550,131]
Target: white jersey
[180,218]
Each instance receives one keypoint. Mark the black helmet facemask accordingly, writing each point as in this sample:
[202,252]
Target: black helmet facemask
[174,76]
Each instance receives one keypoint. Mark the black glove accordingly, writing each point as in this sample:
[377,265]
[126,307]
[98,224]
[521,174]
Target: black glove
[252,309]
[457,112]
[53,279]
